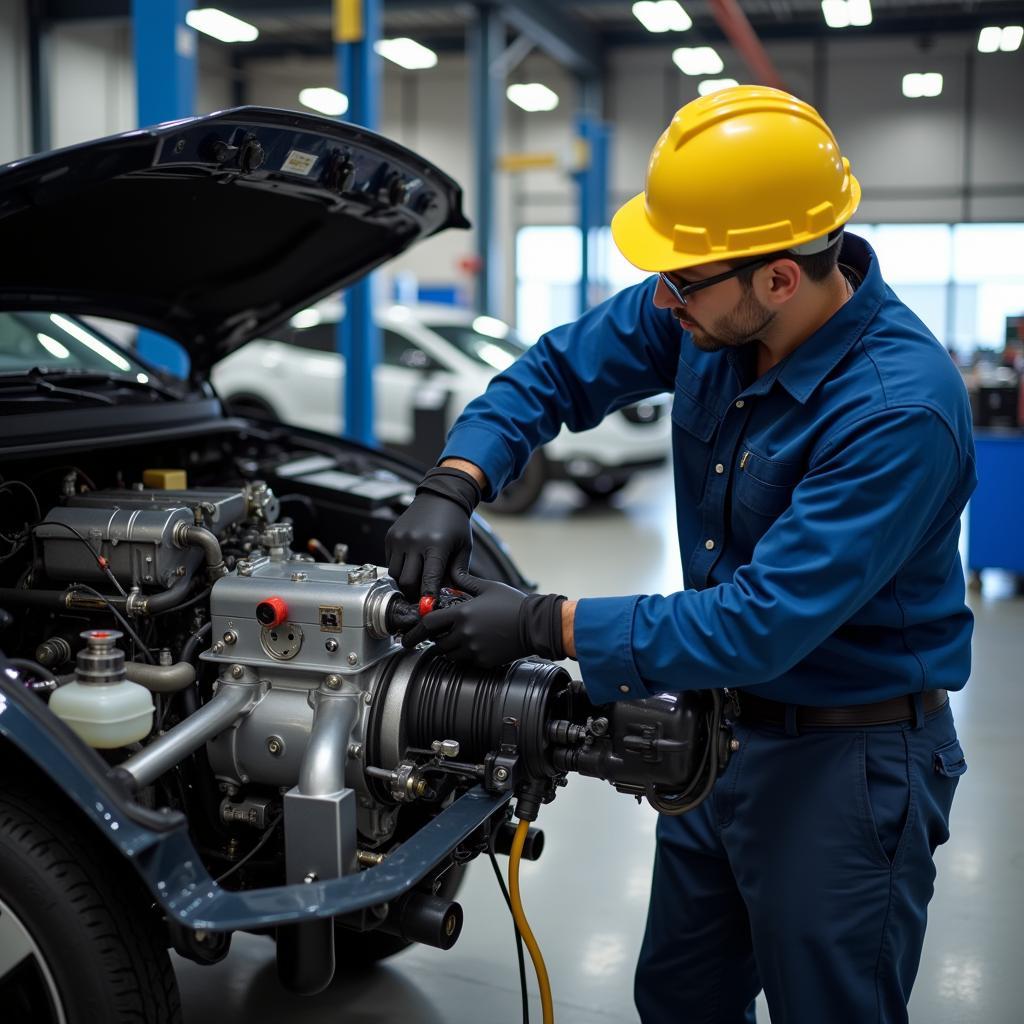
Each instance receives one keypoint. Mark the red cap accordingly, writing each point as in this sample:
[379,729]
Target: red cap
[271,611]
[426,604]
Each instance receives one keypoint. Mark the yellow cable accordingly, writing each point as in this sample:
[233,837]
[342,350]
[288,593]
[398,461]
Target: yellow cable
[521,923]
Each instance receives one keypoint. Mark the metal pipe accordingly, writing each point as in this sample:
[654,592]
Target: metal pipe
[233,699]
[198,536]
[323,764]
[161,678]
[738,30]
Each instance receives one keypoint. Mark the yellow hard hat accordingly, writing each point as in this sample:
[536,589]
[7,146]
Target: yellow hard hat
[741,172]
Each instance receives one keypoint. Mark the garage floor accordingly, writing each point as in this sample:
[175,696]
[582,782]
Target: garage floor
[586,897]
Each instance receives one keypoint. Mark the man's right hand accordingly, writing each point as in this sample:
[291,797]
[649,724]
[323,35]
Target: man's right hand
[432,537]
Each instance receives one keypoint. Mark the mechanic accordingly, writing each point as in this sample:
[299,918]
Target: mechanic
[822,456]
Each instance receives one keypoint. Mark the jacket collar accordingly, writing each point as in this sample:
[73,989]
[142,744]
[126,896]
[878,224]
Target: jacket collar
[807,366]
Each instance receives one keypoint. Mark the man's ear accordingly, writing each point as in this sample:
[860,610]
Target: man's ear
[779,281]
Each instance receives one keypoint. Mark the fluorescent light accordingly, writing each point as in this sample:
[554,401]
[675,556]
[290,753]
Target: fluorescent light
[837,14]
[532,96]
[989,39]
[304,319]
[1012,36]
[927,84]
[710,85]
[407,53]
[860,12]
[221,25]
[325,100]
[89,341]
[662,16]
[491,326]
[54,347]
[697,60]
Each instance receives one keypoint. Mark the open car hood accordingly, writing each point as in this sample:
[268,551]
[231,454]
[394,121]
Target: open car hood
[212,230]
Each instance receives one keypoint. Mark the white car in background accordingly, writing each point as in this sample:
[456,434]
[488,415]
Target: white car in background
[434,360]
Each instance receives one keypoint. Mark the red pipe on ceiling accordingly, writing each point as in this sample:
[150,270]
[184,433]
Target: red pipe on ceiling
[738,30]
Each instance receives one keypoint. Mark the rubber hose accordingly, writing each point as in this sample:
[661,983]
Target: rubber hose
[522,924]
[161,678]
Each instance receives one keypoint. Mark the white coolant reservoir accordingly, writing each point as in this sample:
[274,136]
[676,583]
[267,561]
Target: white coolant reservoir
[101,705]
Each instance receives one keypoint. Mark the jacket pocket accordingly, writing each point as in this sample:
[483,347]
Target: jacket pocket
[949,760]
[693,430]
[764,485]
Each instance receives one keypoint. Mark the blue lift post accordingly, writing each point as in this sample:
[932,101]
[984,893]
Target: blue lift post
[592,181]
[165,86]
[487,77]
[356,29]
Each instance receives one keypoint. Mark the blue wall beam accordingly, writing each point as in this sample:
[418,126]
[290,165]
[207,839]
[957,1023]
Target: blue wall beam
[356,29]
[165,88]
[486,44]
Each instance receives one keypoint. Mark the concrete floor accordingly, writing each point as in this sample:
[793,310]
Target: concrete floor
[586,897]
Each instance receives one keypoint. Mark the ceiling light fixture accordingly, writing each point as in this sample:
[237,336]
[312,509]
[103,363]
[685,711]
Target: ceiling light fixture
[844,13]
[994,38]
[406,53]
[916,86]
[532,96]
[221,25]
[710,85]
[697,60]
[324,100]
[662,16]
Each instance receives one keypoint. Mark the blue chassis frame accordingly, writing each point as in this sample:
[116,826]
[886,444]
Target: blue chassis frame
[158,845]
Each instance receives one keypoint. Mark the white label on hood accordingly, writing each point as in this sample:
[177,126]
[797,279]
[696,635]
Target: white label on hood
[299,162]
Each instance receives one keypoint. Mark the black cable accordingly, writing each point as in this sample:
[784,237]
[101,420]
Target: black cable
[32,494]
[259,846]
[120,618]
[508,903]
[188,649]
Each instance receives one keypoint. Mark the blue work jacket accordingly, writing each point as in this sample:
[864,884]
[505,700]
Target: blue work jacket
[818,505]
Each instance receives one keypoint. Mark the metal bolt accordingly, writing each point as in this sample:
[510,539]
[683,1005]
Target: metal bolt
[331,646]
[275,746]
[299,577]
[501,774]
[310,878]
[734,745]
[218,647]
[243,567]
[231,637]
[355,750]
[353,658]
[367,697]
[237,671]
[333,682]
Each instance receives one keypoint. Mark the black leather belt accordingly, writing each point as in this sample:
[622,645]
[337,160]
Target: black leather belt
[884,712]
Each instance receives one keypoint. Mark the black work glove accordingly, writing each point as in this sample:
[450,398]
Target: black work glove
[498,624]
[432,536]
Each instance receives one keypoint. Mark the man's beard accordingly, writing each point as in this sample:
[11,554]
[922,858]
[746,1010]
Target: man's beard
[741,327]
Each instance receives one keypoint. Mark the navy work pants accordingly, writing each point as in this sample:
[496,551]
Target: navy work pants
[807,873]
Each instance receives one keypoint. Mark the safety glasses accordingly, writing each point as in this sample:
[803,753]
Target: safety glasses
[681,292]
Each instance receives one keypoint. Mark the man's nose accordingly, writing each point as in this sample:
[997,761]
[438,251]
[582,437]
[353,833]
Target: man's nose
[663,298]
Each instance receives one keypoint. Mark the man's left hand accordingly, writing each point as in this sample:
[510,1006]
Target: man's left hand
[498,624]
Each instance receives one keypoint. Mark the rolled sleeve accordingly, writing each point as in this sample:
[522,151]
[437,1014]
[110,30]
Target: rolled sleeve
[603,634]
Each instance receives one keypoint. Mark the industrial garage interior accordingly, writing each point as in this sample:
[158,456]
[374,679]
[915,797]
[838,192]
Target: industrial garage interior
[544,114]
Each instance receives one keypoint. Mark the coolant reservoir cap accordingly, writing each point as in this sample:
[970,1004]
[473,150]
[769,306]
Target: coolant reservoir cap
[271,611]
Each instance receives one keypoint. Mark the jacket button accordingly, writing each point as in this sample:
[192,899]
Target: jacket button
[710,545]
[740,404]
[624,688]
[719,468]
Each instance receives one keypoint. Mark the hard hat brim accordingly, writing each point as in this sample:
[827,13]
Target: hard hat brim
[648,249]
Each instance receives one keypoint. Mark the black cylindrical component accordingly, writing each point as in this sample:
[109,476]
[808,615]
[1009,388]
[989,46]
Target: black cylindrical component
[483,710]
[420,917]
[305,956]
[175,594]
[54,651]
[533,847]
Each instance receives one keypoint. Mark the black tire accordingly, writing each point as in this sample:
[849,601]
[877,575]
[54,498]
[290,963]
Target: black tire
[77,926]
[601,488]
[249,407]
[521,495]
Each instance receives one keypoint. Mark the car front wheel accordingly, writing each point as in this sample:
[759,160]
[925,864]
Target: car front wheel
[76,943]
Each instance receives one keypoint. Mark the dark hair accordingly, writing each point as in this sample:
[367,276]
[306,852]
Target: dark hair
[816,267]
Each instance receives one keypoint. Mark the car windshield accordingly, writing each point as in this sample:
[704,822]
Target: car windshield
[487,340]
[52,341]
